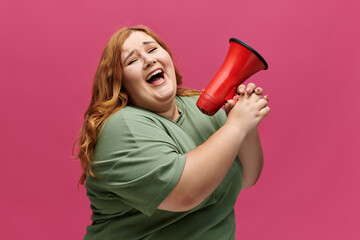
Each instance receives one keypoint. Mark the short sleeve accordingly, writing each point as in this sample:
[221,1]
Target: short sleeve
[138,161]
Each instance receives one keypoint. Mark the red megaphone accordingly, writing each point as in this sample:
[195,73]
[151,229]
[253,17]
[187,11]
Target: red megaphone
[241,62]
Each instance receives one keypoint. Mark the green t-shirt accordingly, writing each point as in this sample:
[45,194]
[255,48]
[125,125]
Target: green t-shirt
[139,157]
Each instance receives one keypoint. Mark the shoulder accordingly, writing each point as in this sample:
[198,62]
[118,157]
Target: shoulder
[188,100]
[130,114]
[129,117]
[124,128]
[130,133]
[188,104]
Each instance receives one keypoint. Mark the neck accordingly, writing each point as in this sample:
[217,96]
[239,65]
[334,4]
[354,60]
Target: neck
[172,113]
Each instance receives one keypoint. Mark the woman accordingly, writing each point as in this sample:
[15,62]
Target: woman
[155,166]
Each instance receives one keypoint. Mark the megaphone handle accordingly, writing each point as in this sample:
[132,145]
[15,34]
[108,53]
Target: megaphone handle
[231,94]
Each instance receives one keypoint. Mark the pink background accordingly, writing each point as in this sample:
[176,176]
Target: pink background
[49,53]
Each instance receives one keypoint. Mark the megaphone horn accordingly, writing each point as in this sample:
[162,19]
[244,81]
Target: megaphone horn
[241,62]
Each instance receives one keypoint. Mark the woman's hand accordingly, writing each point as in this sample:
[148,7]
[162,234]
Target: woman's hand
[250,107]
[241,90]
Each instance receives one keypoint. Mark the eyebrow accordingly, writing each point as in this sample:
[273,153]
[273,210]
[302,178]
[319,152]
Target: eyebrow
[148,42]
[132,52]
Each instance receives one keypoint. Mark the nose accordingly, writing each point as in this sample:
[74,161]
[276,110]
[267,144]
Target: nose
[148,61]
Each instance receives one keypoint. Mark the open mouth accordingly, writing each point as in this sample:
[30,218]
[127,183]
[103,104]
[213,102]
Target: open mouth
[155,76]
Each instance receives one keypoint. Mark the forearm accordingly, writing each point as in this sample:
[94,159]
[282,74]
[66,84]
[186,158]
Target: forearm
[251,158]
[205,168]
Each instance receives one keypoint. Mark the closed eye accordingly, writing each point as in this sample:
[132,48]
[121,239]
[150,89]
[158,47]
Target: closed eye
[132,61]
[152,49]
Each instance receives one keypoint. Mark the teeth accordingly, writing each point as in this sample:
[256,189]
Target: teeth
[153,74]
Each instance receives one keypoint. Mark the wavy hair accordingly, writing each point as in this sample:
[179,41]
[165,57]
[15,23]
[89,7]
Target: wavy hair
[108,96]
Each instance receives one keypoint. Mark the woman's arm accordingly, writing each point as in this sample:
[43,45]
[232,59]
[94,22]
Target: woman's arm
[250,154]
[207,165]
[205,168]
[251,158]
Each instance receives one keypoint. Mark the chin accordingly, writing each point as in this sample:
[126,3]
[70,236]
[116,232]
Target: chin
[167,97]
[167,92]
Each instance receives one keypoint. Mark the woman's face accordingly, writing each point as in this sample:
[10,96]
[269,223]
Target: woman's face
[148,73]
